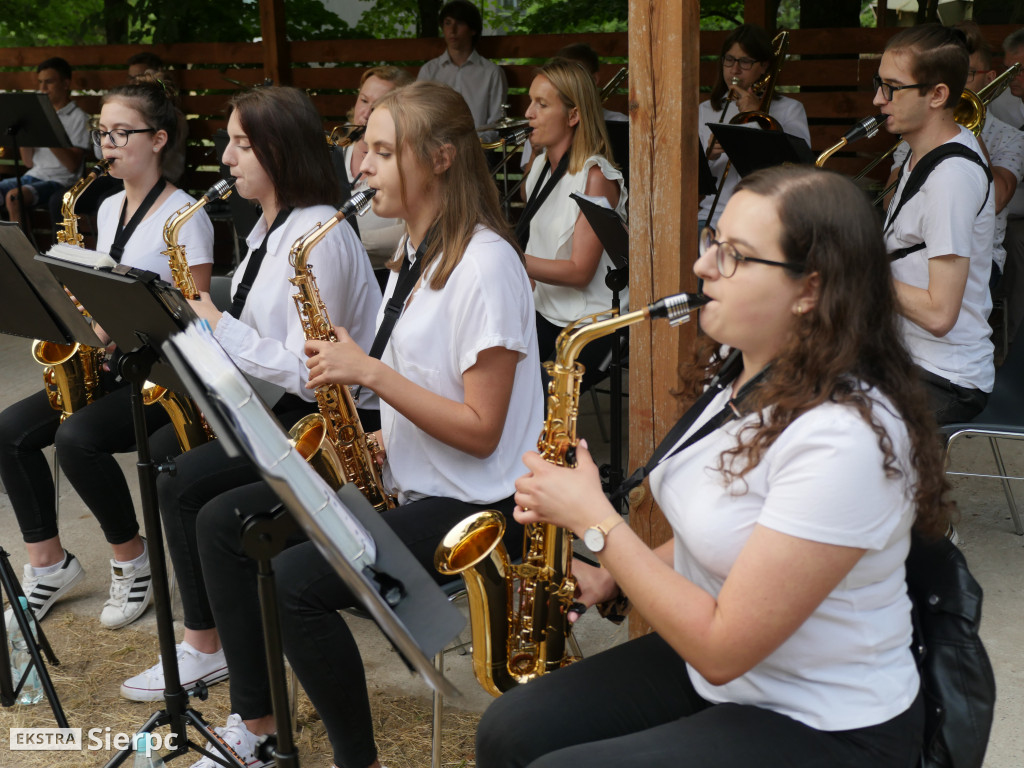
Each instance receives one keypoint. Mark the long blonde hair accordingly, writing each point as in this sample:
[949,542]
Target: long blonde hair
[576,88]
[431,118]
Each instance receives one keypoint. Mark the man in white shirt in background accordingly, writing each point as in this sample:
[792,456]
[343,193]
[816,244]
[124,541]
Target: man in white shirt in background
[480,81]
[50,170]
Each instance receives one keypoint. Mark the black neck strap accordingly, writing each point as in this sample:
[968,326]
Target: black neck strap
[124,233]
[540,194]
[253,267]
[730,370]
[407,277]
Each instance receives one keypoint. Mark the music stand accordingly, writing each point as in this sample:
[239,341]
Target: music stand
[751,150]
[705,178]
[28,119]
[614,237]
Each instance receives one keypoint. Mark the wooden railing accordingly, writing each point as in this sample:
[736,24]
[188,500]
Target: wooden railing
[829,71]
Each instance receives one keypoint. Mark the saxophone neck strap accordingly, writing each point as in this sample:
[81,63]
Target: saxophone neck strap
[407,277]
[727,374]
[253,267]
[540,194]
[122,234]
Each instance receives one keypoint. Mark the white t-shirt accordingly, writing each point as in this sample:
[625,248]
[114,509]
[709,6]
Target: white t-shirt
[380,236]
[1005,146]
[791,116]
[144,249]
[551,233]
[945,215]
[45,165]
[267,341]
[849,664]
[485,303]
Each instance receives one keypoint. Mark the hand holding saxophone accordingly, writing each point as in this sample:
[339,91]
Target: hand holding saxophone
[339,362]
[206,309]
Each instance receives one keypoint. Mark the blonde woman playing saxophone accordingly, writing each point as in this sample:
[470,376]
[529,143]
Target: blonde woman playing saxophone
[138,129]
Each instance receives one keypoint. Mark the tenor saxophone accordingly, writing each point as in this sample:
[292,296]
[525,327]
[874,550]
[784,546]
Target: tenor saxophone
[347,454]
[71,372]
[518,639]
[190,427]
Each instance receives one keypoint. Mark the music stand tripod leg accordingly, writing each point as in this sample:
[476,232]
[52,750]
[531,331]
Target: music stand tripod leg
[12,588]
[135,367]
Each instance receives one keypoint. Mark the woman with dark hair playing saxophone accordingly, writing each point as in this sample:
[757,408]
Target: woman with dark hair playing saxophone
[138,128]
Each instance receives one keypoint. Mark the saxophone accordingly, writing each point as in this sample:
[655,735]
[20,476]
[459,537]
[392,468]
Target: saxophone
[516,641]
[71,372]
[333,439]
[190,428]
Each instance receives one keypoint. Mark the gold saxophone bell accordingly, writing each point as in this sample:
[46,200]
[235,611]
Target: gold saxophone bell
[310,437]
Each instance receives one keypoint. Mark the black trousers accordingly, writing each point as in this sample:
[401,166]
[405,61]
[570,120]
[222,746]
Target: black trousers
[634,705]
[951,404]
[85,445]
[592,357]
[201,475]
[317,641]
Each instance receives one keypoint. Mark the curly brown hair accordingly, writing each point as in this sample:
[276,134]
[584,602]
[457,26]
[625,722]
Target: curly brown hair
[848,344]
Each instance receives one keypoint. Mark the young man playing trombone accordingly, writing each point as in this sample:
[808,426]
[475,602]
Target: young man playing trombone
[939,225]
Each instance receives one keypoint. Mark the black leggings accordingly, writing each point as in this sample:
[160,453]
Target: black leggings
[317,640]
[634,705]
[85,444]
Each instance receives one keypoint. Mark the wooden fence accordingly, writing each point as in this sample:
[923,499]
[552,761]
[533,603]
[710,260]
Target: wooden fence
[829,71]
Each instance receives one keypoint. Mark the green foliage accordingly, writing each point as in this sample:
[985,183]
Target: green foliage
[569,16]
[50,22]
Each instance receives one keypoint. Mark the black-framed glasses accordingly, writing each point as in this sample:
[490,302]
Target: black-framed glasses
[118,137]
[732,61]
[727,257]
[888,90]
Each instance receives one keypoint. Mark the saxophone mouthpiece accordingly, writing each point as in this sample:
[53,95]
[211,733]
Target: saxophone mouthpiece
[866,128]
[221,189]
[358,204]
[518,138]
[678,308]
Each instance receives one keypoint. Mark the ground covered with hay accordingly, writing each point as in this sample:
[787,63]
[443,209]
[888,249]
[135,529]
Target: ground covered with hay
[94,661]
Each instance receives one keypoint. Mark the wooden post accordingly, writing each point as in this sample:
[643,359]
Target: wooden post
[277,63]
[664,41]
[757,12]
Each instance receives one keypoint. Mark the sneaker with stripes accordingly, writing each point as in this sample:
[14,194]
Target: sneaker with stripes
[131,589]
[43,591]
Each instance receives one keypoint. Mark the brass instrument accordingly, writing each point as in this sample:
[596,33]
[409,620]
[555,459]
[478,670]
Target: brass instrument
[190,427]
[508,145]
[68,232]
[333,440]
[764,86]
[71,372]
[867,127]
[343,135]
[615,82]
[514,643]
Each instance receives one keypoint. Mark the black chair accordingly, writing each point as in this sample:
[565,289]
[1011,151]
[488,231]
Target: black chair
[1002,419]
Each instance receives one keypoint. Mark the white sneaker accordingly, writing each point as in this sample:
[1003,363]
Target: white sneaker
[193,666]
[236,737]
[43,591]
[131,589]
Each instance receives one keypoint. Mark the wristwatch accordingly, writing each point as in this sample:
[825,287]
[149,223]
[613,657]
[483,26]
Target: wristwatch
[595,536]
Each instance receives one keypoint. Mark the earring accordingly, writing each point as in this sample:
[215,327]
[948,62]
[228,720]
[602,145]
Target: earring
[798,310]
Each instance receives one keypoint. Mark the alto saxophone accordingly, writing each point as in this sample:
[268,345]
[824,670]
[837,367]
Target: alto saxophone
[333,439]
[71,372]
[190,427]
[515,641]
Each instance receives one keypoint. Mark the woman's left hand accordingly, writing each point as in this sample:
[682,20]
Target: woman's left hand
[569,497]
[206,309]
[340,362]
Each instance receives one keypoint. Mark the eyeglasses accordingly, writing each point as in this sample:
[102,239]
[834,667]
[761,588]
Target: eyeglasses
[972,72]
[727,257]
[888,90]
[732,61]
[118,137]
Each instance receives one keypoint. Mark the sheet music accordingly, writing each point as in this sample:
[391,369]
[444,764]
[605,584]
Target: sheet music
[269,446]
[79,255]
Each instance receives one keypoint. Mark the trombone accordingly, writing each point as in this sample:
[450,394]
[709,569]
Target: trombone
[508,145]
[343,135]
[615,82]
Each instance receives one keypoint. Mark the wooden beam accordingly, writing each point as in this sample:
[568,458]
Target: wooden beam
[663,85]
[277,64]
[757,11]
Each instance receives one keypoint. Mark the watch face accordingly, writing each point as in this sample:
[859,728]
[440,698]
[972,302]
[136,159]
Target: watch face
[594,539]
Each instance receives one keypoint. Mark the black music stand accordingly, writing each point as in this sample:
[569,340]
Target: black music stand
[614,236]
[751,150]
[28,119]
[33,305]
[705,178]
[139,311]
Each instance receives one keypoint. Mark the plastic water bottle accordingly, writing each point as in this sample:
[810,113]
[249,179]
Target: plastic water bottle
[145,755]
[32,690]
